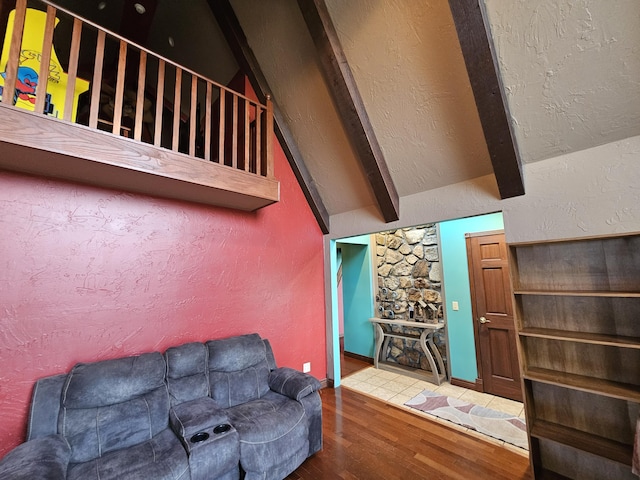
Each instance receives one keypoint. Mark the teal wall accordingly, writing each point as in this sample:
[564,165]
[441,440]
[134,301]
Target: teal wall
[455,270]
[333,344]
[357,289]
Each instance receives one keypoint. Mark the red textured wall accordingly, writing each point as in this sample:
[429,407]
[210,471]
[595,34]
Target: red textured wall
[89,274]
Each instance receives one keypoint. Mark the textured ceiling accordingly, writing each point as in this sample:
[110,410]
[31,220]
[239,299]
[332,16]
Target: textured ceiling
[281,42]
[411,75]
[570,68]
[197,41]
[410,72]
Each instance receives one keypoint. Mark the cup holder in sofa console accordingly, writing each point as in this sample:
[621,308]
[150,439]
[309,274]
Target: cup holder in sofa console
[225,427]
[199,437]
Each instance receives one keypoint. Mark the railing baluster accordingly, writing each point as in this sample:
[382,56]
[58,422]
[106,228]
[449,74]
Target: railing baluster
[263,147]
[269,138]
[96,85]
[193,116]
[74,54]
[140,98]
[45,60]
[258,140]
[207,124]
[176,110]
[247,136]
[234,134]
[221,129]
[11,69]
[157,134]
[119,95]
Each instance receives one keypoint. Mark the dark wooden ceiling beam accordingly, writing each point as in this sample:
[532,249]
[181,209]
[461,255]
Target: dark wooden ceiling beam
[349,104]
[230,26]
[482,67]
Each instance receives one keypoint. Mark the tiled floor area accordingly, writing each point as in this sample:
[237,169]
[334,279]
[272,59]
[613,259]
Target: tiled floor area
[397,389]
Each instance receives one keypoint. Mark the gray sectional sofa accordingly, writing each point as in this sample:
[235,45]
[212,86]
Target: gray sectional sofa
[214,410]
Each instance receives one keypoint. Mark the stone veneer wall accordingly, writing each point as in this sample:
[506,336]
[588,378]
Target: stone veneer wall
[410,275]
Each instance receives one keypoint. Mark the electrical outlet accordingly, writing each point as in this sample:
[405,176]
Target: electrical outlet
[454,305]
[306,367]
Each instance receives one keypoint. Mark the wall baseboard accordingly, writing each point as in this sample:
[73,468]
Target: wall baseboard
[476,386]
[359,357]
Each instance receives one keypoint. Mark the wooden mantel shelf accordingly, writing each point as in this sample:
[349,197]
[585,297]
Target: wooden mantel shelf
[41,145]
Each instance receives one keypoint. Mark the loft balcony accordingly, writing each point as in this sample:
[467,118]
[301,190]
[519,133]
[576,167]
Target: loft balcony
[87,105]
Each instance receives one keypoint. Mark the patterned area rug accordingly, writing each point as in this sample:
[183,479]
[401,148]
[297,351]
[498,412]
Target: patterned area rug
[498,425]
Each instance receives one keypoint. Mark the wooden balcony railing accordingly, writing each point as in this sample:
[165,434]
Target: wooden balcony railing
[163,120]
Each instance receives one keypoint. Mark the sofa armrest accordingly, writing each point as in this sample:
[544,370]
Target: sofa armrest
[44,457]
[197,420]
[212,443]
[292,383]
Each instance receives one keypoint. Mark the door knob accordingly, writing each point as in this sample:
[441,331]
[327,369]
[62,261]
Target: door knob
[484,320]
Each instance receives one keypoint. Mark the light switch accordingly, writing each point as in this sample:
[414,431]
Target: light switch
[454,305]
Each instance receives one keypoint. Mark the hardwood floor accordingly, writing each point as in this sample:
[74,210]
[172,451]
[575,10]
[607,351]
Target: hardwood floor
[365,438]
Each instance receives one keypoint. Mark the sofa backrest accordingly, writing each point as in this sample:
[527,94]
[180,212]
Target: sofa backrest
[238,369]
[187,372]
[113,404]
[271,360]
[45,406]
[235,361]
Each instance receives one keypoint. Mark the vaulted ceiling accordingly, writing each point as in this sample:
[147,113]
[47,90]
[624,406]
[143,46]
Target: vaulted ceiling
[568,72]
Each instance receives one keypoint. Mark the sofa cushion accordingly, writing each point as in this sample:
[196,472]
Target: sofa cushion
[271,429]
[267,418]
[236,353]
[129,406]
[238,370]
[161,458]
[113,381]
[187,372]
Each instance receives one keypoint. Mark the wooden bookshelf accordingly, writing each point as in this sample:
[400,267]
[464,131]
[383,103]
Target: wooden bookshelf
[616,451]
[583,383]
[578,293]
[582,337]
[577,305]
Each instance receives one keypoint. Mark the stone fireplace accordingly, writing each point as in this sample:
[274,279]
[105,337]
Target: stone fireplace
[409,288]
